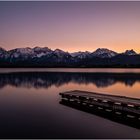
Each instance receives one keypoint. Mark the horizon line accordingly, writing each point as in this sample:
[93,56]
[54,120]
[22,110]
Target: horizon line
[70,51]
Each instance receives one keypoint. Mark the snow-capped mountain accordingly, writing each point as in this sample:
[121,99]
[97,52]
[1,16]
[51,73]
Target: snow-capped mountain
[61,53]
[3,53]
[104,53]
[26,53]
[45,51]
[80,54]
[61,56]
[130,52]
[45,57]
[21,53]
[39,52]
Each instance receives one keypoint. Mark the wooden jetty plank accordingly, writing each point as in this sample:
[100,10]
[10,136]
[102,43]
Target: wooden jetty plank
[124,109]
[104,97]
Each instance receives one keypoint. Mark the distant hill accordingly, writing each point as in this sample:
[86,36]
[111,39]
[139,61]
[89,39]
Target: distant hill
[45,57]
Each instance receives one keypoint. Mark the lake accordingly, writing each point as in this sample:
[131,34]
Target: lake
[30,108]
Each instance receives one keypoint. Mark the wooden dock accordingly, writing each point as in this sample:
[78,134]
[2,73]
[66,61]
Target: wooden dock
[104,98]
[114,106]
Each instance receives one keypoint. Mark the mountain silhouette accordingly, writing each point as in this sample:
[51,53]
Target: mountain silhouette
[45,57]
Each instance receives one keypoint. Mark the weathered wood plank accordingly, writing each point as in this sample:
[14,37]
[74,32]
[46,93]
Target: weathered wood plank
[122,100]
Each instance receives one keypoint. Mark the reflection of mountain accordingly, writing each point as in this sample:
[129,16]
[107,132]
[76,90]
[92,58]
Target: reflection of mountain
[47,79]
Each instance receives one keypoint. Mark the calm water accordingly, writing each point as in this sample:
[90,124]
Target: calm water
[30,108]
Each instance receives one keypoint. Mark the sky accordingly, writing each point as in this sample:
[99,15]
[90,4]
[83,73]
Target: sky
[70,25]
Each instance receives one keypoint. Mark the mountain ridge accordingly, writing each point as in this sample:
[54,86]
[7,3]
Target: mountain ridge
[46,57]
[98,50]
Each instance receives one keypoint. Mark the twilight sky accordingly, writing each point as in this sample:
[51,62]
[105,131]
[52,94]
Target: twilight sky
[71,26]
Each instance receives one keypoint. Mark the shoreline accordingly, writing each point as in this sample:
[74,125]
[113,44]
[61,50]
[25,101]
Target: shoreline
[74,70]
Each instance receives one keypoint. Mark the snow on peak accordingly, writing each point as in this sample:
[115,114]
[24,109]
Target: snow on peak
[104,53]
[39,52]
[80,54]
[3,52]
[58,51]
[130,52]
[24,50]
[44,49]
[61,53]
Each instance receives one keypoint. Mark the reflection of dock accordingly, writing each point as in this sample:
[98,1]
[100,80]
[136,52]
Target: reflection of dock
[118,108]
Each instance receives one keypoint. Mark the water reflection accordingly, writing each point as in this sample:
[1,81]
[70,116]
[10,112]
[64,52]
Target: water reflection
[105,112]
[48,79]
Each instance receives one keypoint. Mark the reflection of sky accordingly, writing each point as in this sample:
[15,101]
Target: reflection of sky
[70,26]
[37,113]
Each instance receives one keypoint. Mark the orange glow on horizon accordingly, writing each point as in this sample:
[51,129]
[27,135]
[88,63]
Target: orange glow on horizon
[88,26]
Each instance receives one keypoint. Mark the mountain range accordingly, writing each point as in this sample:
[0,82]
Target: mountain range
[45,57]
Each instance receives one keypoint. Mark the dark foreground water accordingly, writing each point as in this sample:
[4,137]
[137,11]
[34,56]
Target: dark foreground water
[30,108]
